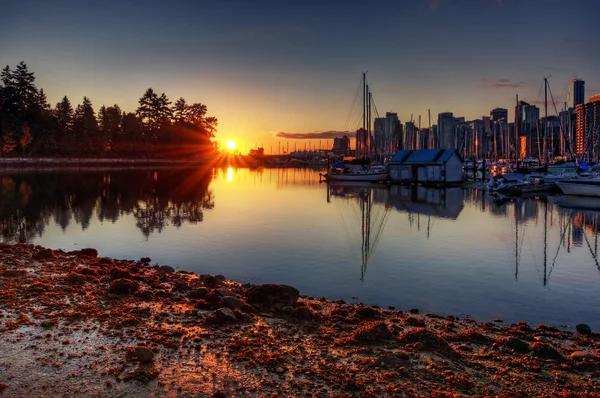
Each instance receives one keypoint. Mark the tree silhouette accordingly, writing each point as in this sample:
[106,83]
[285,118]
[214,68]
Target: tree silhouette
[155,128]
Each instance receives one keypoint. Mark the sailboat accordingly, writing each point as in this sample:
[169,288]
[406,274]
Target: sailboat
[360,168]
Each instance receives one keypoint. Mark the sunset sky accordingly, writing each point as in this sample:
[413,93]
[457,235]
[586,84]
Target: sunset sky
[269,67]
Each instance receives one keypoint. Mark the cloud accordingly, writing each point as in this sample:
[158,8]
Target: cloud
[314,135]
[504,83]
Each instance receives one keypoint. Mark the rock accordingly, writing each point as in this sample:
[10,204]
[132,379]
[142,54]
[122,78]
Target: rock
[584,329]
[145,260]
[516,344]
[225,292]
[119,273]
[391,307]
[431,341]
[233,303]
[88,252]
[13,273]
[277,296]
[181,285]
[213,297]
[367,313]
[43,254]
[225,315]
[123,286]
[287,310]
[369,332]
[546,351]
[211,281]
[304,313]
[201,292]
[414,310]
[412,321]
[143,354]
[581,356]
[76,279]
[546,328]
[166,269]
[543,339]
[498,320]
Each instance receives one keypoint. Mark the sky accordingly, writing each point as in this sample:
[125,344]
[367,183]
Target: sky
[265,68]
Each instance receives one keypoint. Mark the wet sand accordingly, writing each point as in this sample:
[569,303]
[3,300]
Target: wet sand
[74,324]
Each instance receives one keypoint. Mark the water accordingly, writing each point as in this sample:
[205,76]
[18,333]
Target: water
[447,251]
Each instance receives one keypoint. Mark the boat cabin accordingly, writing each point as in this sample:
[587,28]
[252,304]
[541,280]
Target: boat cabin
[433,166]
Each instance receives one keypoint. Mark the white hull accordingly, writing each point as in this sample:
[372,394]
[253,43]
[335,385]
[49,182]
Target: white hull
[356,176]
[579,187]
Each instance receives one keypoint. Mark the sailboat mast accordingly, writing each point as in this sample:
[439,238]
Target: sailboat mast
[368,131]
[517,122]
[430,146]
[545,119]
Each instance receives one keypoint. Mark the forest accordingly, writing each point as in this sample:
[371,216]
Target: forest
[159,128]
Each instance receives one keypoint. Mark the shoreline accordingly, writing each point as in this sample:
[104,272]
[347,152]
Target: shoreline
[72,323]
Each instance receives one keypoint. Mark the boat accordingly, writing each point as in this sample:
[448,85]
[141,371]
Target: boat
[587,186]
[347,171]
[360,167]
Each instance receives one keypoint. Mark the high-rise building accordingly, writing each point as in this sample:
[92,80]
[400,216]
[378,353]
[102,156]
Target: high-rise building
[384,131]
[588,125]
[341,146]
[446,130]
[410,133]
[578,92]
[528,117]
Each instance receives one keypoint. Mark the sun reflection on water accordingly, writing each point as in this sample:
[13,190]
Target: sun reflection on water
[229,174]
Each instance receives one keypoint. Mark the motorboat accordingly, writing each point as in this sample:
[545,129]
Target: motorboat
[582,186]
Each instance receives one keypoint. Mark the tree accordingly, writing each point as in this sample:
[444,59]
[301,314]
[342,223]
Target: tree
[180,111]
[64,115]
[25,138]
[155,115]
[109,123]
[85,128]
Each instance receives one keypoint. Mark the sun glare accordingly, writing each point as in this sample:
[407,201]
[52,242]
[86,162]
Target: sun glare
[231,145]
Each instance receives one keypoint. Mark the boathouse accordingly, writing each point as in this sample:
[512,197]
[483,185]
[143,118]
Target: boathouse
[429,166]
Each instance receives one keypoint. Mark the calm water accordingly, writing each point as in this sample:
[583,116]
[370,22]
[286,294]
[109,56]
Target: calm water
[448,251]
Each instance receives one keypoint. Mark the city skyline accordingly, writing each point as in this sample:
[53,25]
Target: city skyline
[264,69]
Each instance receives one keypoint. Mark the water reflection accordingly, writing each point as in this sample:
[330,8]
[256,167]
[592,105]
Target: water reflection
[362,208]
[546,227]
[155,199]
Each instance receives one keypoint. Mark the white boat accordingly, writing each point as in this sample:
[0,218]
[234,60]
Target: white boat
[368,174]
[580,186]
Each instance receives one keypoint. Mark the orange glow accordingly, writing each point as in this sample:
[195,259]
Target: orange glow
[231,145]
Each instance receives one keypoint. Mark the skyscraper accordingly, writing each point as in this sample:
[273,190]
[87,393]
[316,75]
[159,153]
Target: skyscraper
[578,92]
[384,133]
[446,130]
[588,126]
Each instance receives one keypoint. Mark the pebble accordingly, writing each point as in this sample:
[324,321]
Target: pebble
[76,279]
[414,310]
[582,328]
[143,354]
[166,269]
[233,303]
[581,356]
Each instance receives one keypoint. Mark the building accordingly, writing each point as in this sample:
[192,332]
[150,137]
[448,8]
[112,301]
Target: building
[446,130]
[410,134]
[588,125]
[528,117]
[434,166]
[578,92]
[385,130]
[341,146]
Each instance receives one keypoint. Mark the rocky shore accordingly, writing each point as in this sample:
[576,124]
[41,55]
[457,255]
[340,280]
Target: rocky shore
[75,324]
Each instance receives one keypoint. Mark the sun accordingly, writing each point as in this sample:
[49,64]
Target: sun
[230,145]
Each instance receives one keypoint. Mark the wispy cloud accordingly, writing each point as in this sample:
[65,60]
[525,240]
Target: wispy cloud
[314,135]
[504,83]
